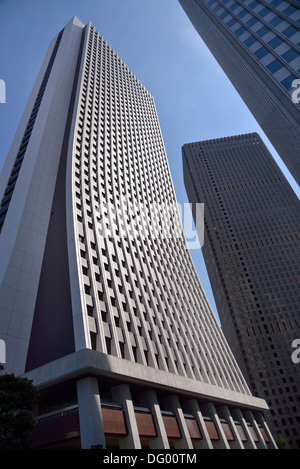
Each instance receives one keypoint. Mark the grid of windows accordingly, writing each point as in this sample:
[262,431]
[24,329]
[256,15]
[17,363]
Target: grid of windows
[141,296]
[269,30]
[252,254]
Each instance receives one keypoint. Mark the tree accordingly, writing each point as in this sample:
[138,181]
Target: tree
[17,399]
[282,442]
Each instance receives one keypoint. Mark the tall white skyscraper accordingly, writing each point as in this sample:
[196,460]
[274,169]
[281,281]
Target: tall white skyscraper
[257,44]
[100,303]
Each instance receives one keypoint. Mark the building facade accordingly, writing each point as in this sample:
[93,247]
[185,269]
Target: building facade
[257,44]
[100,304]
[251,251]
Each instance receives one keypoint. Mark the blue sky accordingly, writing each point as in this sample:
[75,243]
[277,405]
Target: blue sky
[194,99]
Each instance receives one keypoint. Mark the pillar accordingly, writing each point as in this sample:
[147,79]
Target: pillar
[151,401]
[174,405]
[192,407]
[90,416]
[225,414]
[209,410]
[122,395]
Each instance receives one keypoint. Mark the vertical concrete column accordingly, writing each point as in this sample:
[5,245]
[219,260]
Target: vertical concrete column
[122,394]
[225,414]
[151,401]
[261,444]
[90,416]
[261,420]
[192,407]
[238,415]
[209,410]
[174,405]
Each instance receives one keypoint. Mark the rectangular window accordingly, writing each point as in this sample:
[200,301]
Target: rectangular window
[251,40]
[262,31]
[290,31]
[260,53]
[275,21]
[290,55]
[240,31]
[263,12]
[274,66]
[275,42]
[251,22]
[287,82]
[289,10]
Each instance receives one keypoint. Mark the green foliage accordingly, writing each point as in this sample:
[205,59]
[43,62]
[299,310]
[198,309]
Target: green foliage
[282,442]
[17,399]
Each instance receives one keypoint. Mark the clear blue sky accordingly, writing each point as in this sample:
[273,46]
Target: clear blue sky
[194,99]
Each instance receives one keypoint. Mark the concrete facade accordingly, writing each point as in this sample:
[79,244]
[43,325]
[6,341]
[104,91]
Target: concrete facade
[116,313]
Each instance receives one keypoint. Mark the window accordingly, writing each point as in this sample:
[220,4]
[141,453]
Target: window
[289,10]
[251,40]
[264,12]
[275,42]
[240,31]
[274,66]
[260,53]
[262,31]
[290,31]
[252,21]
[242,13]
[287,82]
[275,21]
[232,22]
[290,55]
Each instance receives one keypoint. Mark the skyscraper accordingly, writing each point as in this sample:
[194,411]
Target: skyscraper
[100,303]
[251,251]
[257,44]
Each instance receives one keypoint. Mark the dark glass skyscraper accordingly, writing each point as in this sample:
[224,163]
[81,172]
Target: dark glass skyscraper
[251,250]
[257,44]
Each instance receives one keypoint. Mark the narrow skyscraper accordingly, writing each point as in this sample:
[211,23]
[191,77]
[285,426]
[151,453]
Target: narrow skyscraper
[251,250]
[257,44]
[100,303]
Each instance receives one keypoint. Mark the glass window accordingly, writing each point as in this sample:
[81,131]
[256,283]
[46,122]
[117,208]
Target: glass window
[287,82]
[223,15]
[262,31]
[290,31]
[274,66]
[260,53]
[252,21]
[290,55]
[263,12]
[275,21]
[289,10]
[232,22]
[242,13]
[275,3]
[251,40]
[217,8]
[240,31]
[275,42]
[253,4]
